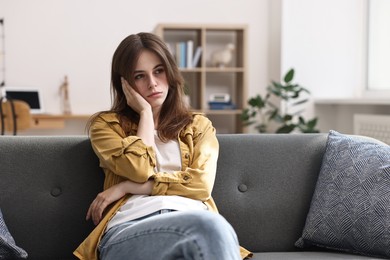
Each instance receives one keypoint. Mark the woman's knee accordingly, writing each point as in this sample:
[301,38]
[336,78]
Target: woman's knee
[215,236]
[208,222]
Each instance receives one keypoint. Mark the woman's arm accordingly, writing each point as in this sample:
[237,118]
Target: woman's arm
[114,193]
[142,107]
[130,158]
[125,156]
[197,180]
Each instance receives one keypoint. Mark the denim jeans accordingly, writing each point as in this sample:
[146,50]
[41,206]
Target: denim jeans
[172,236]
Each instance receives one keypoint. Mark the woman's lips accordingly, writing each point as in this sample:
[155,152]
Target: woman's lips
[155,94]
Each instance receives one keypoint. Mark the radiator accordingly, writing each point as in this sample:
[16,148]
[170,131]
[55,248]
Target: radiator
[376,126]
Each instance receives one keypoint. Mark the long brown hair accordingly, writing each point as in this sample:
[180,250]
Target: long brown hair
[174,114]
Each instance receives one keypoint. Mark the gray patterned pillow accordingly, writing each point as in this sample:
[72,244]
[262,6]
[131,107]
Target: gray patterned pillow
[8,248]
[350,208]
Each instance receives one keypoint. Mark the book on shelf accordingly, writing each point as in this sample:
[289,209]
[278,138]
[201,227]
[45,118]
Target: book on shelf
[196,58]
[185,55]
[220,101]
[216,105]
[190,53]
[181,54]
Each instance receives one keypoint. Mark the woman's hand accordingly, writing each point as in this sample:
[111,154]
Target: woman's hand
[143,108]
[102,200]
[134,99]
[114,193]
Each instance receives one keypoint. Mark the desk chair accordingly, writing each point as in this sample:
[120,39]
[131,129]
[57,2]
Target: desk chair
[14,115]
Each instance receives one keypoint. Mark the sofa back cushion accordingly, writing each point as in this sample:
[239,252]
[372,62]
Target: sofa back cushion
[46,186]
[264,186]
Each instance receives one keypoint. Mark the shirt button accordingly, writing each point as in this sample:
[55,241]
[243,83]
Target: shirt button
[187,156]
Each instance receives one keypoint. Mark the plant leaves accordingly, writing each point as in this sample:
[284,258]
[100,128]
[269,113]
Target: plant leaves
[248,123]
[300,102]
[278,118]
[287,117]
[263,111]
[285,129]
[276,85]
[245,115]
[273,114]
[312,123]
[256,102]
[289,76]
[261,128]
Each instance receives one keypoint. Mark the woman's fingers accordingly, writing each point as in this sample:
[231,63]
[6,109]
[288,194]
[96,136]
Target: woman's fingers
[95,210]
[129,93]
[103,199]
[101,204]
[133,98]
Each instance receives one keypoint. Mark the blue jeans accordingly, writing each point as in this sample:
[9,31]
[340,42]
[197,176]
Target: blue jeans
[172,236]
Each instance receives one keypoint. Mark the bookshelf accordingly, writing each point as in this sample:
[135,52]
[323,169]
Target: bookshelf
[210,75]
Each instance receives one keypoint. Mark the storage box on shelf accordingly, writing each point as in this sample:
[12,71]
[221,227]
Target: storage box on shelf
[212,59]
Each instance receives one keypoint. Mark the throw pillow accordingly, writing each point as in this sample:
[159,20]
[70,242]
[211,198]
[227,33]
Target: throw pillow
[350,208]
[8,248]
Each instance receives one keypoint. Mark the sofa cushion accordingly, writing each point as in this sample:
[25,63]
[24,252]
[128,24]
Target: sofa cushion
[350,208]
[309,255]
[46,186]
[264,185]
[8,247]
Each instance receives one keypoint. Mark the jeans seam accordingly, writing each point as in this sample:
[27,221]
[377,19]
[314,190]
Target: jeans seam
[177,232]
[146,233]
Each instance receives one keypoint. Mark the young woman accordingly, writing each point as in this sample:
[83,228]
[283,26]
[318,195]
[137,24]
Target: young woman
[159,161]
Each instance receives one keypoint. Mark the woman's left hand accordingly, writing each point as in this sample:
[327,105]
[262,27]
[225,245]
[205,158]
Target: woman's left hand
[102,200]
[114,193]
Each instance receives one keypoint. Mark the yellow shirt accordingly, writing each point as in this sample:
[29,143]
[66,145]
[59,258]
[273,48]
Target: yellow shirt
[128,158]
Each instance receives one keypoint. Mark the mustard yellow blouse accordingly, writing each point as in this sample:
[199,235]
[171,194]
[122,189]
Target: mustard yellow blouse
[127,158]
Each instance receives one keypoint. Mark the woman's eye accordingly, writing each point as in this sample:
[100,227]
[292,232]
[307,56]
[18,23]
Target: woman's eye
[138,76]
[159,71]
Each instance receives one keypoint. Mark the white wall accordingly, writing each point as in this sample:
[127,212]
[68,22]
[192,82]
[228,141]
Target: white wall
[324,40]
[379,42]
[46,40]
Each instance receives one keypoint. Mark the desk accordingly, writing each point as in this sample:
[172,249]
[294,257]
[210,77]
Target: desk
[48,121]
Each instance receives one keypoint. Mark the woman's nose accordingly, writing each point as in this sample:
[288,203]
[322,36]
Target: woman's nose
[152,82]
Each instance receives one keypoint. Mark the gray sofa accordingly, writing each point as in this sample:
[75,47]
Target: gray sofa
[264,188]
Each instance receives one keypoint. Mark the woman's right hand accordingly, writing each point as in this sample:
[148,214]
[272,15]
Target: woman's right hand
[133,98]
[143,108]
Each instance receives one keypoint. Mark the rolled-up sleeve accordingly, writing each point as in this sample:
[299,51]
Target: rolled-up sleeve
[196,181]
[126,156]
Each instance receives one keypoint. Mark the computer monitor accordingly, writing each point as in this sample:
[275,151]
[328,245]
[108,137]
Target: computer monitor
[28,94]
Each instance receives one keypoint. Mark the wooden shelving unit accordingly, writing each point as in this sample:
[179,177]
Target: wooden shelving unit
[206,79]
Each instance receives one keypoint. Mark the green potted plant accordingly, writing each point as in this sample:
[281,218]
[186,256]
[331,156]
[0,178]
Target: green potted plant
[261,111]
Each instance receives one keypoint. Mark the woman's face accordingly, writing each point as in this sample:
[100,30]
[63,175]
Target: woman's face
[150,79]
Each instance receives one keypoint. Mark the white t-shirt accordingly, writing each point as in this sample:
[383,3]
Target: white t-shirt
[168,160]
